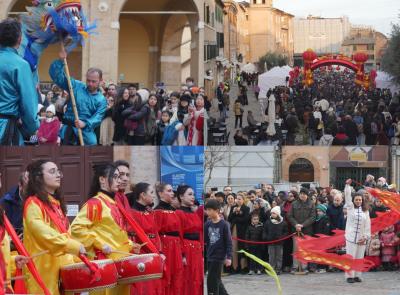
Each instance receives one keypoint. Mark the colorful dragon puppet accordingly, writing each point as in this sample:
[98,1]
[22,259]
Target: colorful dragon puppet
[49,22]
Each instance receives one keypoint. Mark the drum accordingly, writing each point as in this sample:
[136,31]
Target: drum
[139,268]
[77,277]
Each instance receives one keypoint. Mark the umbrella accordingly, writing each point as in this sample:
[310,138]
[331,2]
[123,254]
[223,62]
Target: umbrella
[249,68]
[271,116]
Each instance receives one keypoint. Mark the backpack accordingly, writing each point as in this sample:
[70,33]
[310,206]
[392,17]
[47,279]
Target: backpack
[170,134]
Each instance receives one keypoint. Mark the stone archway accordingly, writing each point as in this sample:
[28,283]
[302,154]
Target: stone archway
[301,170]
[307,156]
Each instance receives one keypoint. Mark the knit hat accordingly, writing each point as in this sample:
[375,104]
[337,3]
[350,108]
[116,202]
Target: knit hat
[40,106]
[51,108]
[321,207]
[276,210]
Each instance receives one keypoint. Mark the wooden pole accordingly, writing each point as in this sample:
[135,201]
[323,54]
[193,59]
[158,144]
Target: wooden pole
[71,93]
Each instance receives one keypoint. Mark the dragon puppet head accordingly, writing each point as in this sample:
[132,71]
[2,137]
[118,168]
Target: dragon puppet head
[47,21]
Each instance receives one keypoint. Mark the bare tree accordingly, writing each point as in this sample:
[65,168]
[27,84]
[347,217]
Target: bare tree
[212,156]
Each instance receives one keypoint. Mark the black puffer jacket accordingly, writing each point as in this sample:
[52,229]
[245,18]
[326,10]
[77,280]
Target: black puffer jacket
[274,231]
[140,116]
[254,232]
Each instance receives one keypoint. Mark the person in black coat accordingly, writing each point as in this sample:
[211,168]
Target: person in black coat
[335,213]
[351,130]
[122,103]
[275,228]
[239,219]
[254,233]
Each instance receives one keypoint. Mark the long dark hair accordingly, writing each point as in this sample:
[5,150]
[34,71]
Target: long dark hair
[181,190]
[35,185]
[120,100]
[106,170]
[364,204]
[156,107]
[138,189]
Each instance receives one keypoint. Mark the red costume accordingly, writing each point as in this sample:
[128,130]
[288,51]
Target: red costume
[193,251]
[144,216]
[170,231]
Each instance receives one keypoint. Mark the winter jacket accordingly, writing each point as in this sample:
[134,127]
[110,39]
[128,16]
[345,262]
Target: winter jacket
[139,116]
[326,140]
[373,247]
[254,232]
[275,231]
[119,128]
[12,205]
[336,217]
[240,219]
[302,213]
[388,239]
[322,226]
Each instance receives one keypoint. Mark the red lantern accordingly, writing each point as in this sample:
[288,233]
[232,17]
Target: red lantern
[360,57]
[338,68]
[309,55]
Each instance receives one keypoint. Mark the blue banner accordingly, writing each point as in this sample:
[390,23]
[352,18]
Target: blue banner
[183,165]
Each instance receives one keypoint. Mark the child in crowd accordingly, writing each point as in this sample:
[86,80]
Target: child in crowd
[388,240]
[254,233]
[275,228]
[49,128]
[161,125]
[219,247]
[373,252]
[321,226]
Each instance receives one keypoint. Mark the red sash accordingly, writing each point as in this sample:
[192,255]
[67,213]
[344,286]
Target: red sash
[54,213]
[136,227]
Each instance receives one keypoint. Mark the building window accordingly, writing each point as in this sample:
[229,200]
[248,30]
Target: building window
[370,46]
[210,52]
[371,56]
[207,16]
[263,1]
[354,47]
[301,170]
[220,40]
[254,1]
[212,19]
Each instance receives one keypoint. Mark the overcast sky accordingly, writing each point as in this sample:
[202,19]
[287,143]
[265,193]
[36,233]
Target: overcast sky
[376,13]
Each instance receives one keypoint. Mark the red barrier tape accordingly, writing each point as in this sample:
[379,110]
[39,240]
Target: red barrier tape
[263,243]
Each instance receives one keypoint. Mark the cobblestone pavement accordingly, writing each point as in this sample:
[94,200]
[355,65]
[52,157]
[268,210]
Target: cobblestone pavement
[254,106]
[374,283]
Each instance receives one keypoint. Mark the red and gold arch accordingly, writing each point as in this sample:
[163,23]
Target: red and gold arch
[356,64]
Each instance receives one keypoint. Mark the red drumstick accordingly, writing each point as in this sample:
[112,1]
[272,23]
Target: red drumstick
[94,269]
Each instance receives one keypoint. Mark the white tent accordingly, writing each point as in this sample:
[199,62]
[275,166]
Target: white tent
[274,77]
[384,80]
[249,68]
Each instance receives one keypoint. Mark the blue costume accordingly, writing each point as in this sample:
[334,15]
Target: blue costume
[18,98]
[91,107]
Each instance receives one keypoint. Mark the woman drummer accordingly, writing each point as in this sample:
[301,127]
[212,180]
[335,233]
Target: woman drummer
[45,226]
[170,231]
[141,200]
[192,242]
[100,226]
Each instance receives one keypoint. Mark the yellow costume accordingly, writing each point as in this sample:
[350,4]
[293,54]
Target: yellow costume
[8,259]
[96,226]
[40,234]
